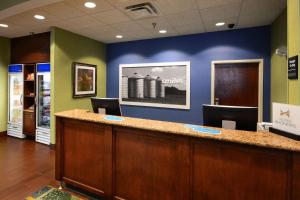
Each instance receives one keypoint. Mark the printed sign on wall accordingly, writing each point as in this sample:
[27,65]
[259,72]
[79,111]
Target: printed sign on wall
[286,118]
[165,85]
[293,67]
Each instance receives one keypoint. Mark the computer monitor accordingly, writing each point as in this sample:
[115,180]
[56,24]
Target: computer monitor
[245,118]
[111,106]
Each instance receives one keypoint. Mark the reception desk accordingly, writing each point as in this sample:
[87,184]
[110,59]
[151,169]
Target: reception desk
[138,159]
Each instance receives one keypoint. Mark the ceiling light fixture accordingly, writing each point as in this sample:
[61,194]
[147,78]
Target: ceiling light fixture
[90,5]
[220,24]
[119,36]
[163,31]
[3,25]
[39,17]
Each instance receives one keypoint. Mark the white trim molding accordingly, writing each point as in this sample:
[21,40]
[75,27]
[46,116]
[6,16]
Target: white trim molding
[260,81]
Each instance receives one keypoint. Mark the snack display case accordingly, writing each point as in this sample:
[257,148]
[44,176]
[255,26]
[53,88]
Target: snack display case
[43,102]
[15,101]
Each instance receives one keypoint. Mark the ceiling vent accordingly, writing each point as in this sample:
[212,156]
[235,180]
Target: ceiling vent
[142,10]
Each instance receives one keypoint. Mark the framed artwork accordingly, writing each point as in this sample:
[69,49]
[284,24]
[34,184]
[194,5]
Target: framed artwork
[84,80]
[165,85]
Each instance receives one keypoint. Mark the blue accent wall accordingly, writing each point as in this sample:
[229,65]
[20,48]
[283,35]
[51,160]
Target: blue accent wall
[200,50]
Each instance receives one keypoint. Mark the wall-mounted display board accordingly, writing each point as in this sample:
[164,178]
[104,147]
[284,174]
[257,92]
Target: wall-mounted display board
[293,67]
[286,118]
[165,85]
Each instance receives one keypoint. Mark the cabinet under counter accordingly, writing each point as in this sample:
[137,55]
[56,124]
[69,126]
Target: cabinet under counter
[29,122]
[138,159]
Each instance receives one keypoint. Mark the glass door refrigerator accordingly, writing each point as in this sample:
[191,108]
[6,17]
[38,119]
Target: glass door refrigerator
[43,103]
[15,101]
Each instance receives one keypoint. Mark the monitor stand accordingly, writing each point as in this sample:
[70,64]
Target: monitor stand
[228,124]
[102,111]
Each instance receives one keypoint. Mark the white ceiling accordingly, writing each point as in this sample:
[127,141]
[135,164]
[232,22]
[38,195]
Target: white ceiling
[108,19]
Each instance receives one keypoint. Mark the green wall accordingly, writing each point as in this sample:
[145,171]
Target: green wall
[293,47]
[66,48]
[9,3]
[4,61]
[279,80]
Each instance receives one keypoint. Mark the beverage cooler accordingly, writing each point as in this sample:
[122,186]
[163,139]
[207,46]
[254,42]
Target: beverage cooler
[15,101]
[43,100]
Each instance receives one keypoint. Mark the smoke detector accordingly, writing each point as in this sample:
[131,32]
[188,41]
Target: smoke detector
[142,10]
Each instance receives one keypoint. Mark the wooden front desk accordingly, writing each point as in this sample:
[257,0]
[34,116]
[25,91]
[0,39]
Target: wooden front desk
[143,160]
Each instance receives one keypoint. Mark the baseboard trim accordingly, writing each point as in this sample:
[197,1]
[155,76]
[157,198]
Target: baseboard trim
[52,146]
[3,133]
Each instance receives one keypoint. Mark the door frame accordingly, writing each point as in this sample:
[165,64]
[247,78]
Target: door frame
[260,81]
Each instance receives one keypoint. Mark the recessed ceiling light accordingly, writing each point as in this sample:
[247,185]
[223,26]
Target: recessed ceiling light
[90,5]
[220,24]
[4,25]
[163,31]
[39,17]
[119,36]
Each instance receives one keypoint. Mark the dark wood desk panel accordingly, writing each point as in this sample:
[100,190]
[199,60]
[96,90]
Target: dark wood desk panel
[117,161]
[296,177]
[85,155]
[150,166]
[229,171]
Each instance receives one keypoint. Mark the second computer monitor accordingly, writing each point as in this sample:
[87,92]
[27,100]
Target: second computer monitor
[245,118]
[110,106]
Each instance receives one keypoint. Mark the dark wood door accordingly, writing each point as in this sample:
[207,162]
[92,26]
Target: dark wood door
[29,123]
[236,84]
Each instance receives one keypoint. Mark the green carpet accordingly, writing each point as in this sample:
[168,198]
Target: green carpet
[51,193]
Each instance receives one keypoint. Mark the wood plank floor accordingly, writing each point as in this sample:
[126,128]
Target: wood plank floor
[25,167]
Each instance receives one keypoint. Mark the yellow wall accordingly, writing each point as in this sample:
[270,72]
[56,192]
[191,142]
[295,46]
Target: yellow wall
[279,79]
[293,47]
[4,62]
[66,48]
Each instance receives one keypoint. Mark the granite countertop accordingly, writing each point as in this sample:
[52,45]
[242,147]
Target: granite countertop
[262,139]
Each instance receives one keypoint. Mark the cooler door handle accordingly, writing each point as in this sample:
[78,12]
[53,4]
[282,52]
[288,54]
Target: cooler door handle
[21,99]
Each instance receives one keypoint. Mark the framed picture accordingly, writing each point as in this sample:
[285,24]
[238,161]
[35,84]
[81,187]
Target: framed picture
[84,80]
[164,85]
